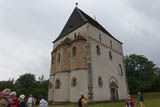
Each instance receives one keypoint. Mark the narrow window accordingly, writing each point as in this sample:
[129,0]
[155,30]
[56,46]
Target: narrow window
[98,50]
[59,57]
[50,85]
[74,51]
[111,43]
[110,55]
[57,86]
[74,82]
[75,35]
[100,38]
[52,59]
[100,82]
[120,69]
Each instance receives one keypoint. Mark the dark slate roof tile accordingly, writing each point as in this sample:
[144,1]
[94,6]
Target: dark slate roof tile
[78,18]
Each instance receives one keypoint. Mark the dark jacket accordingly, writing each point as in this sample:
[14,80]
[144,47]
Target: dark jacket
[21,104]
[80,101]
[140,97]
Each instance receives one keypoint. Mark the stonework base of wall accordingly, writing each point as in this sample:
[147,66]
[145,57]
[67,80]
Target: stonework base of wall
[91,102]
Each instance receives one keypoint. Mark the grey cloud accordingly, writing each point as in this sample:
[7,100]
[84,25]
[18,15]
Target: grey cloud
[27,28]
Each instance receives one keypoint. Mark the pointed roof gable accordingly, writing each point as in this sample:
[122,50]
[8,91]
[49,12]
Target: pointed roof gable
[78,18]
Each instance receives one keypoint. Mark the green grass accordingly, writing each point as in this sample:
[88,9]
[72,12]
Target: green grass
[151,100]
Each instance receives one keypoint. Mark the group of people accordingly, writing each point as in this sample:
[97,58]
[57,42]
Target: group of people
[9,99]
[82,102]
[130,103]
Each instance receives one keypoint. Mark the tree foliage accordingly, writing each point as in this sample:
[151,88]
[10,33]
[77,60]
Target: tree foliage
[141,73]
[27,84]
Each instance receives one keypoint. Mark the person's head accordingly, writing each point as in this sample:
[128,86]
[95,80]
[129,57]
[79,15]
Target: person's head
[6,92]
[129,96]
[22,97]
[40,97]
[139,92]
[13,94]
[30,95]
[81,94]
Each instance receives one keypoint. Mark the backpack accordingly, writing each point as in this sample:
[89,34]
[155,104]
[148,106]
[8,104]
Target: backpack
[84,102]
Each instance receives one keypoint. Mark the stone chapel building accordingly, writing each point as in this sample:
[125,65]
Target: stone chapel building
[86,58]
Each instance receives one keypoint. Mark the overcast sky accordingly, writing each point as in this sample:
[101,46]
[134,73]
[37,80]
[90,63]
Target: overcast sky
[28,27]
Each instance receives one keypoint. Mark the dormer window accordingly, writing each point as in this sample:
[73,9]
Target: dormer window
[70,27]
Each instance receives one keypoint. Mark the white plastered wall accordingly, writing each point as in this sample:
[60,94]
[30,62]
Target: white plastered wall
[81,76]
[105,68]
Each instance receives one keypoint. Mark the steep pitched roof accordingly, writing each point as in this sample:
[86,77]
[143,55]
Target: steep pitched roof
[78,18]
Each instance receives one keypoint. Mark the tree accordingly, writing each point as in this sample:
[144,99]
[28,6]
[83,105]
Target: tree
[156,80]
[140,73]
[26,83]
[7,84]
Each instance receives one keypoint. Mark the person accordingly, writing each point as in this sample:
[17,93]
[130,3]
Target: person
[30,100]
[3,100]
[141,99]
[42,102]
[129,102]
[13,101]
[21,101]
[82,102]
[4,95]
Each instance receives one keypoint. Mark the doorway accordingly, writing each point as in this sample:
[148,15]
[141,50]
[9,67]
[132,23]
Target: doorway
[113,91]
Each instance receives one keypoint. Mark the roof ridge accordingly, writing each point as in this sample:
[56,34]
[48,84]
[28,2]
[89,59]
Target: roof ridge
[81,13]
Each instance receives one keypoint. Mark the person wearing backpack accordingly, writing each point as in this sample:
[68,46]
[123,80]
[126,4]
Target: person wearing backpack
[129,102]
[82,102]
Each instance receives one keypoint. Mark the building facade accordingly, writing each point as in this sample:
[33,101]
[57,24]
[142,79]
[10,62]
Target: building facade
[86,58]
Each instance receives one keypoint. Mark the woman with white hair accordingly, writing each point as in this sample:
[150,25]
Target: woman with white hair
[13,102]
[21,101]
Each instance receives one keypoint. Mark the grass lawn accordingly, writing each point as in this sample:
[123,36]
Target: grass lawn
[151,100]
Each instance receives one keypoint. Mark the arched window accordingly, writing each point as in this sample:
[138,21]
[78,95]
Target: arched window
[74,51]
[59,57]
[73,82]
[100,82]
[110,55]
[120,69]
[98,50]
[58,84]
